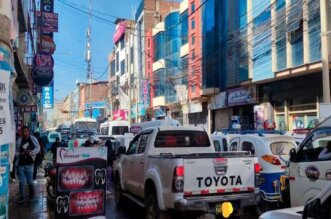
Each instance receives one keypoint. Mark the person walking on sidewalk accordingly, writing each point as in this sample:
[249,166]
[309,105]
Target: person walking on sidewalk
[27,148]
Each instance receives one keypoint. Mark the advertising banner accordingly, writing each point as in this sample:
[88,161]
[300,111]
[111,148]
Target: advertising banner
[81,182]
[4,180]
[29,109]
[144,92]
[120,114]
[47,97]
[242,96]
[42,73]
[6,135]
[47,21]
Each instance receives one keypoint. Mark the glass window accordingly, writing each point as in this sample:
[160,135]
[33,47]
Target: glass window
[192,24]
[193,39]
[225,144]
[193,88]
[159,42]
[184,27]
[234,146]
[122,67]
[182,139]
[120,130]
[122,43]
[316,147]
[281,148]
[217,145]
[192,7]
[193,54]
[112,68]
[143,143]
[314,30]
[117,62]
[248,146]
[133,145]
[131,55]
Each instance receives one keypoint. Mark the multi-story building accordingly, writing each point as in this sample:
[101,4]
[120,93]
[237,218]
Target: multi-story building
[266,60]
[91,101]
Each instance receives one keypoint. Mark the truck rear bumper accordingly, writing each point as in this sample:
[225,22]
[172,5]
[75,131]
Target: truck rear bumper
[208,203]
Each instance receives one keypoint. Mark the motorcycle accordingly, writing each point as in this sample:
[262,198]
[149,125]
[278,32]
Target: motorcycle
[50,175]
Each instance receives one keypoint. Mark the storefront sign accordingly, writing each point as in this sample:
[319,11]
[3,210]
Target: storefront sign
[242,95]
[47,21]
[144,92]
[6,135]
[29,108]
[141,111]
[47,97]
[195,107]
[42,73]
[46,44]
[81,182]
[218,101]
[47,5]
[120,115]
[181,92]
[119,32]
[24,98]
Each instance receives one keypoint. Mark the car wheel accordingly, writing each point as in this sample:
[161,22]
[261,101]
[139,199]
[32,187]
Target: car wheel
[118,192]
[152,208]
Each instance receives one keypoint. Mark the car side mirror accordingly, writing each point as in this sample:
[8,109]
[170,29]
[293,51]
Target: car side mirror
[313,209]
[122,150]
[293,155]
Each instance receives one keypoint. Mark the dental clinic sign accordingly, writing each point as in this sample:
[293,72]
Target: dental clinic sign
[81,182]
[6,135]
[47,97]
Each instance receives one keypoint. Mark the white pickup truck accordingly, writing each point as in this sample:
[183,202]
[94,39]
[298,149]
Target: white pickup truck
[171,168]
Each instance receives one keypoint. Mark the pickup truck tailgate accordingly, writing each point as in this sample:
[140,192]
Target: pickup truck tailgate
[218,175]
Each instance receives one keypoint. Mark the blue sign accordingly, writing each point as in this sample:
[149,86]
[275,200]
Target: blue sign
[47,97]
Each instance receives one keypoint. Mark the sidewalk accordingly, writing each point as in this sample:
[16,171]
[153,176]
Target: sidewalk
[34,209]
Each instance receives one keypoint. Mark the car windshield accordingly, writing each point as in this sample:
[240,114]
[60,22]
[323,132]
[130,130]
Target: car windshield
[120,130]
[54,136]
[86,126]
[281,148]
[180,138]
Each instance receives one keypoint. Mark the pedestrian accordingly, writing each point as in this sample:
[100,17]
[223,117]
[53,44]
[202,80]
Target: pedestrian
[39,158]
[110,157]
[27,148]
[14,170]
[54,147]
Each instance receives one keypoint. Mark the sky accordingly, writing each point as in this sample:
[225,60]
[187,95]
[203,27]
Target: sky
[70,40]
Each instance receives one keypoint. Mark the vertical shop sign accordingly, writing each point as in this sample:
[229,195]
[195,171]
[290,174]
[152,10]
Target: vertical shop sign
[47,97]
[6,135]
[81,182]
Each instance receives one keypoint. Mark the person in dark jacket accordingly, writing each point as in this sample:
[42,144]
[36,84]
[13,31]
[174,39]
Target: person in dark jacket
[27,148]
[54,147]
[39,158]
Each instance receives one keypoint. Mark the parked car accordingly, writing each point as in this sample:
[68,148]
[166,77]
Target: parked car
[272,152]
[114,128]
[169,168]
[319,207]
[309,172]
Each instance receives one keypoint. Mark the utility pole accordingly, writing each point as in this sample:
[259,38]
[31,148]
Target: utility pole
[88,56]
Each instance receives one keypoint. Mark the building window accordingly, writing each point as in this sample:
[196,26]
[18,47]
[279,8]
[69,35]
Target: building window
[117,62]
[112,68]
[192,24]
[149,65]
[192,7]
[193,54]
[193,39]
[127,61]
[193,88]
[122,43]
[131,55]
[122,67]
[184,27]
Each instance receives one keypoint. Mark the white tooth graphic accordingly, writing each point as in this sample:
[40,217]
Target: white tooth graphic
[100,176]
[62,203]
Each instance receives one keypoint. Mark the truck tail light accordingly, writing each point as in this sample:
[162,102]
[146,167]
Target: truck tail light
[178,179]
[258,169]
[271,159]
[76,144]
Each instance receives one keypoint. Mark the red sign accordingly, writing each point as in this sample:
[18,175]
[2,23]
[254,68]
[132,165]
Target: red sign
[120,115]
[119,32]
[47,44]
[47,21]
[28,108]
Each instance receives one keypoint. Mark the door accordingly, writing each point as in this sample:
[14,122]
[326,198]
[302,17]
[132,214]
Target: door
[310,170]
[127,163]
[139,163]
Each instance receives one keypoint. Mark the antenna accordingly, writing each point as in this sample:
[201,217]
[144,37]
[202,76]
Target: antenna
[88,56]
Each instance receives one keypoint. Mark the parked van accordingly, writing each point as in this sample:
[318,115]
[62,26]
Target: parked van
[114,128]
[309,169]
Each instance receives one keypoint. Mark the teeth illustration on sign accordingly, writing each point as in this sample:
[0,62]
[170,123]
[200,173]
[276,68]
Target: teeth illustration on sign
[62,204]
[76,178]
[100,176]
[86,202]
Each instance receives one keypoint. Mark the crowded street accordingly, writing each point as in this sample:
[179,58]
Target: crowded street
[160,109]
